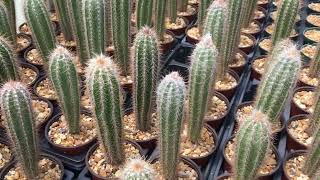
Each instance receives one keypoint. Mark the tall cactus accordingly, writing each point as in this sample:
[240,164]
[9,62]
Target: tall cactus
[160,11]
[138,169]
[281,76]
[105,94]
[145,74]
[94,14]
[252,144]
[286,16]
[6,30]
[203,6]
[8,62]
[64,78]
[121,20]
[144,13]
[79,34]
[16,109]
[63,14]
[41,27]
[201,78]
[170,105]
[248,12]
[9,4]
[314,68]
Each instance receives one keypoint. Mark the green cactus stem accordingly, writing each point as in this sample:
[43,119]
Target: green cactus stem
[170,105]
[287,12]
[105,95]
[202,10]
[201,78]
[144,13]
[41,27]
[6,30]
[64,17]
[64,78]
[8,62]
[314,68]
[248,12]
[312,163]
[160,11]
[252,144]
[145,74]
[9,4]
[16,109]
[138,169]
[108,24]
[172,10]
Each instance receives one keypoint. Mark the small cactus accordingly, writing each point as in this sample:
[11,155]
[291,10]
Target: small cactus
[121,20]
[105,95]
[170,105]
[9,4]
[160,11]
[314,68]
[41,27]
[144,13]
[64,78]
[252,144]
[201,78]
[278,81]
[286,16]
[248,12]
[6,30]
[312,163]
[94,13]
[16,109]
[8,62]
[145,74]
[138,169]
[63,14]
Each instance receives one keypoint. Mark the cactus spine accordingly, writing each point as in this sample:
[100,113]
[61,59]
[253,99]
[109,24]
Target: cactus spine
[201,79]
[105,94]
[170,105]
[121,20]
[138,169]
[8,62]
[248,12]
[281,76]
[65,22]
[5,24]
[76,17]
[286,16]
[40,25]
[144,13]
[15,104]
[314,68]
[160,9]
[9,4]
[252,144]
[64,78]
[145,73]
[94,13]
[203,6]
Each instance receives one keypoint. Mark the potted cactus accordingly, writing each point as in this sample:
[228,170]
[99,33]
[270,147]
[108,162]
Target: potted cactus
[173,22]
[249,24]
[137,169]
[186,10]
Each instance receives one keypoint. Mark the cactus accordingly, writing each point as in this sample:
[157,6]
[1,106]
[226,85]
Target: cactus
[286,16]
[41,27]
[170,105]
[252,144]
[16,109]
[9,4]
[5,24]
[248,12]
[201,78]
[64,78]
[314,68]
[144,13]
[8,62]
[108,24]
[94,13]
[312,163]
[105,95]
[172,9]
[121,20]
[76,18]
[145,73]
[138,169]
[281,76]
[203,6]
[160,11]
[183,5]
[63,14]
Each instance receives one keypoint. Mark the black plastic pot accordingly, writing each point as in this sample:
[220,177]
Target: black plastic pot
[292,142]
[32,67]
[20,52]
[295,109]
[293,154]
[230,92]
[306,39]
[248,49]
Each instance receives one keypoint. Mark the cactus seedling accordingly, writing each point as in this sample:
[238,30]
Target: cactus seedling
[42,31]
[160,10]
[138,169]
[144,13]
[65,24]
[201,78]
[145,73]
[170,105]
[16,109]
[64,78]
[5,24]
[8,62]
[105,95]
[314,68]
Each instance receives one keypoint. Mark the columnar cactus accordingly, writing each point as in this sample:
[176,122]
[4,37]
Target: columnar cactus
[65,22]
[138,169]
[64,78]
[312,163]
[203,6]
[79,34]
[278,81]
[105,94]
[121,20]
[9,4]
[287,13]
[170,105]
[145,73]
[172,9]
[314,68]
[144,13]
[41,27]
[8,62]
[248,12]
[201,78]
[160,10]
[16,109]
[108,24]
[252,144]
[315,116]
[6,24]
